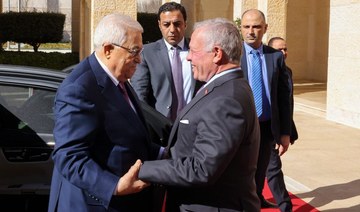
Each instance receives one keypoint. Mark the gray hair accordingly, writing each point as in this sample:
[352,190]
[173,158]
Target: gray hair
[114,28]
[222,32]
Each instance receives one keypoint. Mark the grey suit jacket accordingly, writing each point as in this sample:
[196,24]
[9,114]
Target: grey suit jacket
[280,90]
[214,149]
[152,80]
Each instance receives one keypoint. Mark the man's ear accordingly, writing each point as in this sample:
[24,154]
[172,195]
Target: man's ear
[218,54]
[107,49]
[266,27]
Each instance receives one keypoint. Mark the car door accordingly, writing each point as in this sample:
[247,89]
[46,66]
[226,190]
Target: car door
[26,140]
[26,137]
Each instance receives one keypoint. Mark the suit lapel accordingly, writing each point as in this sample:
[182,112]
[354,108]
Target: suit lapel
[269,61]
[114,98]
[244,65]
[163,56]
[135,101]
[204,92]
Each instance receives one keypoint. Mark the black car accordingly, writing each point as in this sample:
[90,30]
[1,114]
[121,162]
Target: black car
[26,139]
[26,134]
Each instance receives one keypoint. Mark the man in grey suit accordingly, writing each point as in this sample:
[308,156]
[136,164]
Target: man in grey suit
[214,143]
[153,80]
[274,108]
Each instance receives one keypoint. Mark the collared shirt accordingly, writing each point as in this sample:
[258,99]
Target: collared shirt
[113,79]
[116,83]
[219,75]
[263,68]
[186,69]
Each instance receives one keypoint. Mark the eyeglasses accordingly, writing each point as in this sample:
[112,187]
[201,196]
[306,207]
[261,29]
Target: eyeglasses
[133,52]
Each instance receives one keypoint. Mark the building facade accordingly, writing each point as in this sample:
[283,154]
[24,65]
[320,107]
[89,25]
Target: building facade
[323,37]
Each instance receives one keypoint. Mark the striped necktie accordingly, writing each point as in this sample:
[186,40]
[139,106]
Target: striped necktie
[261,101]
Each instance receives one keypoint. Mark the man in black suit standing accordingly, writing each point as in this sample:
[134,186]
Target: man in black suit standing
[214,143]
[265,69]
[162,84]
[275,176]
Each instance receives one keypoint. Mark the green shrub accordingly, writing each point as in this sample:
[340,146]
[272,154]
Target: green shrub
[33,28]
[52,60]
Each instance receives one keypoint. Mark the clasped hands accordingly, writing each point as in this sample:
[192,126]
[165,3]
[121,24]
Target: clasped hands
[129,183]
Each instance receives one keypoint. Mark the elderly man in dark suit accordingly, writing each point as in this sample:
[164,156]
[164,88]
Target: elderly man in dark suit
[100,130]
[214,143]
[265,69]
[155,79]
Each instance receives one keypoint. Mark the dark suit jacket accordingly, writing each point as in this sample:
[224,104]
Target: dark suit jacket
[98,137]
[214,150]
[159,126]
[152,80]
[278,79]
[294,133]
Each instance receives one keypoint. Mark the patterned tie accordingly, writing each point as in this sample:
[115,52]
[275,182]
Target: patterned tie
[257,82]
[176,67]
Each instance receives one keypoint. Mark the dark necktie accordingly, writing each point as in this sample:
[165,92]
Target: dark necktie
[176,67]
[261,101]
[124,92]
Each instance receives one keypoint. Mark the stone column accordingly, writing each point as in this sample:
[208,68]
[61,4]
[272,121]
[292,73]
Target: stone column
[75,26]
[343,96]
[85,38]
[190,12]
[275,13]
[240,6]
[92,11]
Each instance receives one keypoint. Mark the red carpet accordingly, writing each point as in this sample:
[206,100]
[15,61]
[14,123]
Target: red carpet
[298,204]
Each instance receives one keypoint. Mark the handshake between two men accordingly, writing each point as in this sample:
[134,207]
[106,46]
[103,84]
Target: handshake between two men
[129,183]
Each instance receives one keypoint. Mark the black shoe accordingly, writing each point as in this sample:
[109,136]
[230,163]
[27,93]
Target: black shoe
[267,204]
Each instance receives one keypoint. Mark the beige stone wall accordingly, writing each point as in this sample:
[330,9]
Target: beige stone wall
[343,99]
[240,6]
[276,19]
[198,10]
[75,26]
[207,9]
[102,8]
[249,4]
[307,32]
[91,13]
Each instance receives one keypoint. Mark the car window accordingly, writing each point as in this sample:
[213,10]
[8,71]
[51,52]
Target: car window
[27,110]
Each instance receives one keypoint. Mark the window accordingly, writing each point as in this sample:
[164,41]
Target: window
[26,112]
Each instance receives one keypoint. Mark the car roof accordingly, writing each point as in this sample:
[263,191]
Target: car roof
[35,76]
